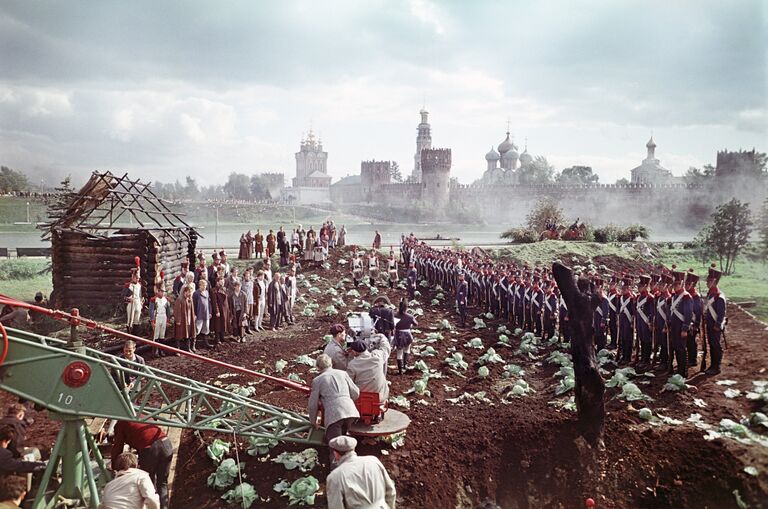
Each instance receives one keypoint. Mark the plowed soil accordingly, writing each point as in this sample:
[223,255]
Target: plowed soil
[520,453]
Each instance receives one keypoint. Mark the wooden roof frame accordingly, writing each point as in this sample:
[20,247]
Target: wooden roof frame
[105,198]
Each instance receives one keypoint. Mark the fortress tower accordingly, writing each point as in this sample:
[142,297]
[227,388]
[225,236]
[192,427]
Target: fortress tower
[373,175]
[435,178]
[423,141]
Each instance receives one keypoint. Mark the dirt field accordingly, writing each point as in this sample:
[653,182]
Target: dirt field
[518,451]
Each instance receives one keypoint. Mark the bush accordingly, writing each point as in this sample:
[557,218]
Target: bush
[522,235]
[18,270]
[613,233]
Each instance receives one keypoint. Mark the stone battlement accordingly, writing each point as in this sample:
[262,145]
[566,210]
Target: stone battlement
[435,159]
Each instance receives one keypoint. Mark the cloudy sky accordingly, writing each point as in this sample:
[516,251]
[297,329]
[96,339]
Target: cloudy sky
[163,89]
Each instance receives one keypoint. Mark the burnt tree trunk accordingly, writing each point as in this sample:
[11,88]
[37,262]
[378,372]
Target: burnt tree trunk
[590,387]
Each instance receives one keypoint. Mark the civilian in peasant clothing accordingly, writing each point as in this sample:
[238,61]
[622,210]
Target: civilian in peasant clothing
[275,302]
[159,314]
[221,314]
[184,328]
[336,348]
[342,237]
[248,285]
[357,481]
[202,301]
[248,245]
[271,243]
[258,241]
[239,305]
[260,289]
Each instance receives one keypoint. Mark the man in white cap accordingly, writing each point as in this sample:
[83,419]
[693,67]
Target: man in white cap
[358,481]
[338,393]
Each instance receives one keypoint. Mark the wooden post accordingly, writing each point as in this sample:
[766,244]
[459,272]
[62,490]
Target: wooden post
[590,387]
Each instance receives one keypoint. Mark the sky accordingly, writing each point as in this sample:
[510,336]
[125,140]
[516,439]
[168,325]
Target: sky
[164,89]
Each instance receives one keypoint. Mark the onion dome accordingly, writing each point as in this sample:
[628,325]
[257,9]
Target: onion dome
[525,157]
[511,154]
[651,143]
[506,145]
[492,155]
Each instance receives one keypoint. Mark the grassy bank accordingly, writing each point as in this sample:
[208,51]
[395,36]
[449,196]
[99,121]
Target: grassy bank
[23,278]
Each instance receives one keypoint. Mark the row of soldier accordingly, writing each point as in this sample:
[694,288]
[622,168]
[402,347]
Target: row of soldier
[658,317]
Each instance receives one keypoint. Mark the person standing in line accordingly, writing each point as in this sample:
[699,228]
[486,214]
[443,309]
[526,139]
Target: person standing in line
[132,295]
[275,302]
[260,288]
[403,336]
[258,241]
[714,319]
[184,319]
[238,304]
[202,302]
[250,309]
[461,299]
[159,313]
[221,314]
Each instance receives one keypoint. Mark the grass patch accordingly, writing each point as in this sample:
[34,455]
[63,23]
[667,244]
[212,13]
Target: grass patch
[14,209]
[749,282]
[546,251]
[22,279]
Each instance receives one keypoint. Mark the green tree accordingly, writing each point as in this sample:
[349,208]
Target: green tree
[577,175]
[12,181]
[538,172]
[546,211]
[696,176]
[622,182]
[763,231]
[394,172]
[259,188]
[728,233]
[238,186]
[63,196]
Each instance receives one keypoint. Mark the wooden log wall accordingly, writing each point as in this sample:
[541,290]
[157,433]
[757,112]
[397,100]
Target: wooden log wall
[91,272]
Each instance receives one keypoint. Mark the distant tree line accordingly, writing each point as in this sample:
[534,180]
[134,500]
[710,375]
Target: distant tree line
[12,181]
[238,186]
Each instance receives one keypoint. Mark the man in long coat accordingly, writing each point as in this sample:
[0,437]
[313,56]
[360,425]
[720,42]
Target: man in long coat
[183,317]
[275,300]
[258,240]
[221,318]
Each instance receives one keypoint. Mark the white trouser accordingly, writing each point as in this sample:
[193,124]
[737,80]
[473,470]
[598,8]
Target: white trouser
[260,316]
[201,327]
[160,324]
[133,313]
[400,351]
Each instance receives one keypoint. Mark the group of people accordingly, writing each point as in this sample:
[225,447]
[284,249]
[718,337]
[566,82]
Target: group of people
[299,242]
[657,316]
[213,302]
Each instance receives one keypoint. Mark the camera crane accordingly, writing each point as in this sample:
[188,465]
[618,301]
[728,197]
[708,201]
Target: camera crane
[74,382]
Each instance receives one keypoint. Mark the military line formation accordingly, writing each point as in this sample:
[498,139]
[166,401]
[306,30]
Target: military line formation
[657,317]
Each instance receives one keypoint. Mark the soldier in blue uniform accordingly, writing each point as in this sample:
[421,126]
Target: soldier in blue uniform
[691,281]
[410,281]
[537,305]
[680,318]
[600,315]
[550,309]
[520,301]
[625,313]
[461,299]
[613,299]
[714,319]
[661,319]
[644,319]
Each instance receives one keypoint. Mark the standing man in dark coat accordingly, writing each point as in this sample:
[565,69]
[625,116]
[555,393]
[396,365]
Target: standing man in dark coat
[644,310]
[275,296]
[382,316]
[461,299]
[680,318]
[411,281]
[714,319]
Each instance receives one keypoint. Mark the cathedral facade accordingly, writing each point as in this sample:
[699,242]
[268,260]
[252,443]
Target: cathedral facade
[312,182]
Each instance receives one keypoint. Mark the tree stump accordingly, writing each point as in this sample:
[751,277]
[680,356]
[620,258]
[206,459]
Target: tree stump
[590,387]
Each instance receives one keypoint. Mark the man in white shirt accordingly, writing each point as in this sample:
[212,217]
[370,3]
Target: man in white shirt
[357,481]
[131,488]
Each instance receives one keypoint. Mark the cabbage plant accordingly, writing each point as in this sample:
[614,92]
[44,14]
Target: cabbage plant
[243,495]
[225,474]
